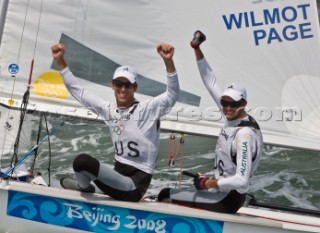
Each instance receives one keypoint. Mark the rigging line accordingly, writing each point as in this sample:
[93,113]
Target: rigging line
[38,29]
[30,152]
[171,146]
[23,109]
[20,45]
[84,9]
[173,155]
[19,51]
[49,145]
[18,59]
[3,143]
[21,39]
[178,148]
[181,156]
[171,150]
[26,95]
[38,139]
[22,33]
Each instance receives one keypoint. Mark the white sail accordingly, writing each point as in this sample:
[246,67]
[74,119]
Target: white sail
[272,47]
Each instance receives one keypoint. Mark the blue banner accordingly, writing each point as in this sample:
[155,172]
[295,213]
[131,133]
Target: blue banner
[102,218]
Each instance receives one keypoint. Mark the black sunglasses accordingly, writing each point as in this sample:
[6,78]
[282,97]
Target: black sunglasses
[233,104]
[119,84]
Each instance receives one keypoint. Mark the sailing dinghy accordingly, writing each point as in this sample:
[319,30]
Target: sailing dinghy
[271,46]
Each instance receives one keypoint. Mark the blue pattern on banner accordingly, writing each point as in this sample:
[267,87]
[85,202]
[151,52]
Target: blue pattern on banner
[102,218]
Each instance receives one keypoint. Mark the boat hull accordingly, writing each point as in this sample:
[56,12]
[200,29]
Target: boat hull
[32,208]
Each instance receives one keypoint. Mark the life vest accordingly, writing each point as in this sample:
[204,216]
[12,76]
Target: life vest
[226,153]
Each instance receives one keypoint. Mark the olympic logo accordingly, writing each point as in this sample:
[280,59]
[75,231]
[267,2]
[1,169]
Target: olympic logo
[13,68]
[118,129]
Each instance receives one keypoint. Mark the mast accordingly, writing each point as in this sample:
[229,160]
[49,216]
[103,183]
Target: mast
[3,13]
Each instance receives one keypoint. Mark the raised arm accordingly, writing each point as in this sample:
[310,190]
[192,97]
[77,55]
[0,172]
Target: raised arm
[89,100]
[162,104]
[207,74]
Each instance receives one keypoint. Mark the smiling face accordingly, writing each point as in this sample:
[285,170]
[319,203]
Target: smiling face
[233,109]
[124,92]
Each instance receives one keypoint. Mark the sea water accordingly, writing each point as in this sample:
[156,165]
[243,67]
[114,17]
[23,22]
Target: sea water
[284,176]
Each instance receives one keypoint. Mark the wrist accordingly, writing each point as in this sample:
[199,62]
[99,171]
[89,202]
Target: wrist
[211,184]
[215,184]
[61,63]
[194,46]
[169,65]
[205,184]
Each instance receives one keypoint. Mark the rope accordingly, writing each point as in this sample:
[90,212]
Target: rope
[14,81]
[171,147]
[38,139]
[50,156]
[181,156]
[42,115]
[19,51]
[173,154]
[26,95]
[23,110]
[30,152]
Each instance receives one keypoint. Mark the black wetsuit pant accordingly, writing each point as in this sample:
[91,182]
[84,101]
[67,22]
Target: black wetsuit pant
[222,202]
[123,182]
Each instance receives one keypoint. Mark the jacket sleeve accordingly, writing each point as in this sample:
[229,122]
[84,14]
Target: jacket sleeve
[162,104]
[209,80]
[86,98]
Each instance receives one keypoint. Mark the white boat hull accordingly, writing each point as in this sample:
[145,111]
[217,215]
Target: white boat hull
[26,207]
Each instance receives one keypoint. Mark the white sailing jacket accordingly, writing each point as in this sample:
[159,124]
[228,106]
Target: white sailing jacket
[237,154]
[134,131]
[239,146]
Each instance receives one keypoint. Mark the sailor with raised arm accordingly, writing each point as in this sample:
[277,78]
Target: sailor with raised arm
[134,128]
[237,153]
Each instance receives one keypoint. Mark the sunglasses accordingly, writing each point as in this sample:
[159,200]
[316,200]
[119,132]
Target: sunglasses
[119,84]
[233,104]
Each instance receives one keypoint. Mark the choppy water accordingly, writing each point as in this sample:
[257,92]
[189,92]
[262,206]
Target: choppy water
[286,177]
